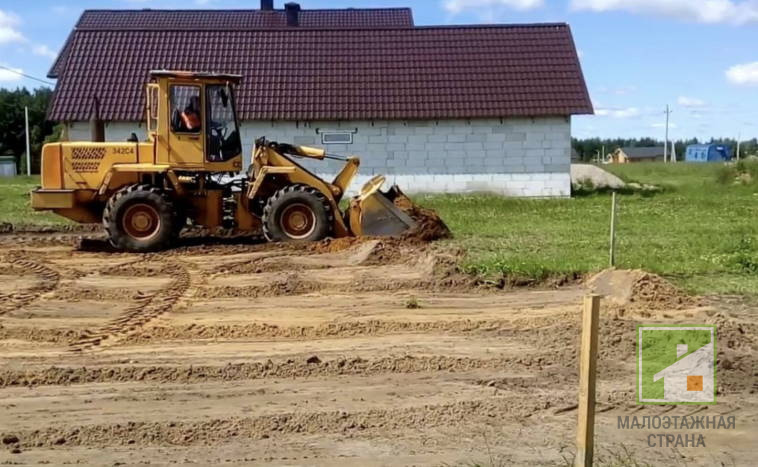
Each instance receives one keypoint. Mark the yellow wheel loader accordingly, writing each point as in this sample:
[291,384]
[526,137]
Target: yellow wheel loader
[188,173]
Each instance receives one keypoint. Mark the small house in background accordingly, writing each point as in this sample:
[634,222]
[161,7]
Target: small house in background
[708,153]
[7,166]
[632,155]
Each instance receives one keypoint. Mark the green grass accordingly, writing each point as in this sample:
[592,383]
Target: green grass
[698,231]
[15,204]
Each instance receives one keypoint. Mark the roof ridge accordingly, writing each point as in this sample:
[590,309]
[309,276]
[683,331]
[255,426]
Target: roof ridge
[335,28]
[220,10]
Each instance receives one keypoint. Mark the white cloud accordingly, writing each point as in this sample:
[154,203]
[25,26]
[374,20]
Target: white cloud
[8,76]
[745,74]
[8,32]
[690,102]
[701,11]
[629,112]
[44,51]
[457,6]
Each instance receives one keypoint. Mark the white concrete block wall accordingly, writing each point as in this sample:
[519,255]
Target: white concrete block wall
[513,157]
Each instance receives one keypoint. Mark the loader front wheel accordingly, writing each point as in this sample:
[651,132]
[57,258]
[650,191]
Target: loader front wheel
[297,213]
[140,218]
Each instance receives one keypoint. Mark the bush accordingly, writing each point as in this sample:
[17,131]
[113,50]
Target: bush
[748,170]
[726,174]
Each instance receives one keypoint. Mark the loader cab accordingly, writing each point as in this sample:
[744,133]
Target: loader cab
[192,121]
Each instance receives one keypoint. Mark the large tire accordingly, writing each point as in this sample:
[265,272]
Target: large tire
[140,219]
[297,213]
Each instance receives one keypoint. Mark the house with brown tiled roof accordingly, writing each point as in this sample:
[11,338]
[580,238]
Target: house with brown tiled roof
[436,108]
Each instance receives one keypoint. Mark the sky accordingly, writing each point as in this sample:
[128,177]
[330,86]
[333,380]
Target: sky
[698,56]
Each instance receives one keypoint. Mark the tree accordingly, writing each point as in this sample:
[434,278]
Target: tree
[12,125]
[589,148]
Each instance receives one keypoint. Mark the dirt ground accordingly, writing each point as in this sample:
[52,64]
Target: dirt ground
[340,353]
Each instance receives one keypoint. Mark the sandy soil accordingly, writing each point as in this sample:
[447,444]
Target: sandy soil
[341,353]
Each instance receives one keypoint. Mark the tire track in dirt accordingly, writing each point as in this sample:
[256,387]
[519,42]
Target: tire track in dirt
[143,266]
[147,308]
[48,281]
[307,367]
[368,328]
[294,284]
[221,431]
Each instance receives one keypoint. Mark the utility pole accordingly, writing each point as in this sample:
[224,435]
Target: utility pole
[739,141]
[28,155]
[666,148]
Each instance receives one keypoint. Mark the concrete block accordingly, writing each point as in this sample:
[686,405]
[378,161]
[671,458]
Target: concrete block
[495,137]
[535,153]
[437,138]
[473,146]
[397,138]
[417,139]
[454,146]
[305,140]
[456,138]
[517,136]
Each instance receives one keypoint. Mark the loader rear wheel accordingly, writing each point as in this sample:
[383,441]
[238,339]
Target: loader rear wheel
[297,213]
[140,218]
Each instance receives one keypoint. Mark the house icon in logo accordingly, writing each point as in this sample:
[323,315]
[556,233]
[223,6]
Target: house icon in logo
[676,364]
[690,379]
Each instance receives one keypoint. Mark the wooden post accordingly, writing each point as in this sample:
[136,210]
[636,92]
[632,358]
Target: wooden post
[612,260]
[585,432]
[28,146]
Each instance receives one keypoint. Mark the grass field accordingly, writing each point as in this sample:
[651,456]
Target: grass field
[700,230]
[14,204]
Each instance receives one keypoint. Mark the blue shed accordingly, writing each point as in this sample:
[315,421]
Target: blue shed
[708,153]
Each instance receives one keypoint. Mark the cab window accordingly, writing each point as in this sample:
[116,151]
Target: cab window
[185,109]
[222,132]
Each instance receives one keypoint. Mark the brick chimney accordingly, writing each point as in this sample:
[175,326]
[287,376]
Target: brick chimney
[267,5]
[292,11]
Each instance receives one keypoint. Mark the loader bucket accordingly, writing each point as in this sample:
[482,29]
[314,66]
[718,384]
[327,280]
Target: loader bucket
[374,213]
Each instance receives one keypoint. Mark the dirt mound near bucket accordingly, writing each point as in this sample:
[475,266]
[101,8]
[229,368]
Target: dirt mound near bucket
[640,291]
[429,226]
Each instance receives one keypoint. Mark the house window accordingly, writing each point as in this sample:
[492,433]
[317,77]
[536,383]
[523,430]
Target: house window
[336,137]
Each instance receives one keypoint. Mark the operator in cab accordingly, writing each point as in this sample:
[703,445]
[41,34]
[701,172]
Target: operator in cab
[191,115]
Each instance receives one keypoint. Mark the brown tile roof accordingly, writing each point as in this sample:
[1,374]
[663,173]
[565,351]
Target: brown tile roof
[213,20]
[311,74]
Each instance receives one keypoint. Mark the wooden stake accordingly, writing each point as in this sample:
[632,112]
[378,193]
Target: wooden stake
[612,261]
[585,432]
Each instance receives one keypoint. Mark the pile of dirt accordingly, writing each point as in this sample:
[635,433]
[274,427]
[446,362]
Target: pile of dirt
[641,292]
[429,226]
